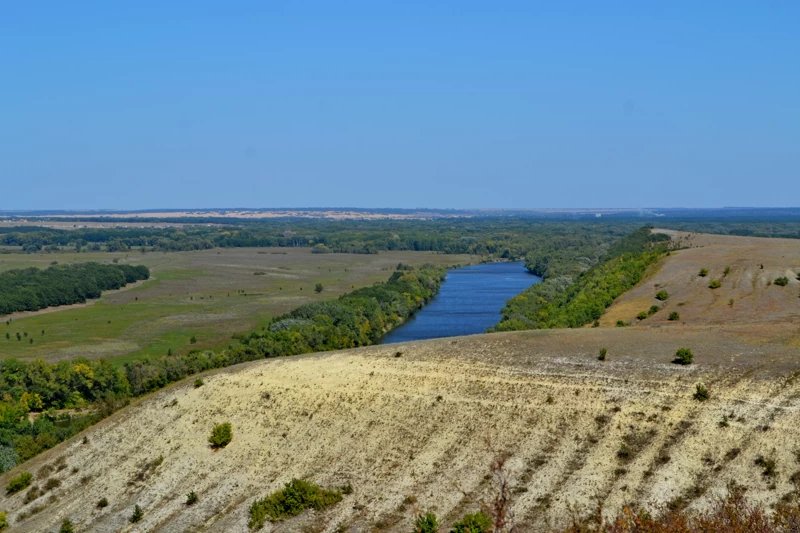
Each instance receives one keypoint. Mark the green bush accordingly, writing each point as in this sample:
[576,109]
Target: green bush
[3,521]
[426,523]
[642,315]
[473,523]
[191,498]
[103,503]
[198,383]
[19,483]
[768,465]
[662,295]
[683,356]
[701,393]
[726,271]
[294,498]
[715,284]
[603,353]
[703,272]
[782,281]
[221,435]
[653,310]
[674,316]
[66,526]
[621,324]
[137,515]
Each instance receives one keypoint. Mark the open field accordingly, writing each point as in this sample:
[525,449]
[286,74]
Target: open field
[424,425]
[747,294]
[209,294]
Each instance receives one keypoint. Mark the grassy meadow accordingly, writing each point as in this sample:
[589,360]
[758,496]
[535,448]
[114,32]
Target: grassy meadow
[209,295]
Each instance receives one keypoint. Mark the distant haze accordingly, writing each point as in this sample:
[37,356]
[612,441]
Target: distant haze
[364,104]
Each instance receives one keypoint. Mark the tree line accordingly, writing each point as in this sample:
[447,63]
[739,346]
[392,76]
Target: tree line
[32,288]
[576,291]
[507,238]
[358,318]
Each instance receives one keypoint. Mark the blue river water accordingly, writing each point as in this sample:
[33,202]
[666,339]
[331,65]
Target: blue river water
[468,302]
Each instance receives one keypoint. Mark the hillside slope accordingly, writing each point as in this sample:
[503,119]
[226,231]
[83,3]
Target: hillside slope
[424,424]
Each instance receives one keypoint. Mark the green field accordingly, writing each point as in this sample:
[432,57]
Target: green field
[209,294]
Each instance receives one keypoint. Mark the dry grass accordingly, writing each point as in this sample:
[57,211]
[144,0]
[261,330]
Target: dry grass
[417,426]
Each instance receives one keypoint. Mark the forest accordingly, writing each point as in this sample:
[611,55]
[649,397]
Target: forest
[506,238]
[576,290]
[358,318]
[32,289]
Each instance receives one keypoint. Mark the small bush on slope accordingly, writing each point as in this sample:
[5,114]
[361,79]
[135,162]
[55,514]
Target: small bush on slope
[18,483]
[221,435]
[294,498]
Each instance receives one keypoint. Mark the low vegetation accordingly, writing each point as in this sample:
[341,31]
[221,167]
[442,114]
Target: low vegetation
[703,272]
[683,356]
[715,284]
[18,483]
[221,435]
[294,498]
[662,295]
[674,316]
[781,281]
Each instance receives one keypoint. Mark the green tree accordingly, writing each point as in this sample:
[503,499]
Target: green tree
[137,515]
[318,288]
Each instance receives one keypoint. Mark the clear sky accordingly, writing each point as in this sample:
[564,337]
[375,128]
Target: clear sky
[399,104]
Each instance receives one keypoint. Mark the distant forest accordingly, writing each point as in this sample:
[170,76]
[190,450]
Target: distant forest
[32,289]
[503,238]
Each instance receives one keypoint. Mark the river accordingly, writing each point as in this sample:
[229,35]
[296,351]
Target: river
[468,302]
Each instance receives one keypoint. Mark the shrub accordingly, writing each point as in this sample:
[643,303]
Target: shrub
[66,526]
[701,393]
[730,302]
[3,521]
[683,356]
[426,523]
[603,353]
[782,281]
[137,515]
[642,315]
[768,465]
[653,310]
[715,284]
[18,483]
[192,340]
[473,523]
[103,503]
[221,435]
[726,271]
[662,295]
[674,316]
[318,288]
[621,324]
[199,383]
[294,498]
[191,498]
[703,272]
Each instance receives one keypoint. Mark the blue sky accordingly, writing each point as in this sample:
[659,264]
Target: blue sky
[399,104]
